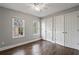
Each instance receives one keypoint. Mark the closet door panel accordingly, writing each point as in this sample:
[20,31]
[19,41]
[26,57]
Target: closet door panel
[59,24]
[43,29]
[70,29]
[49,29]
[77,38]
[53,30]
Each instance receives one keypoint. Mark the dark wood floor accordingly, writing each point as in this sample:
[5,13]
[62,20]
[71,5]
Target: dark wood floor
[40,47]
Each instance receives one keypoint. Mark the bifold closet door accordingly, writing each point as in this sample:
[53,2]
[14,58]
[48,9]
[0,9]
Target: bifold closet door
[43,28]
[77,40]
[49,29]
[71,30]
[59,25]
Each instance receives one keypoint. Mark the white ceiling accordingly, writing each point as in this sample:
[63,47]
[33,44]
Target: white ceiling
[50,8]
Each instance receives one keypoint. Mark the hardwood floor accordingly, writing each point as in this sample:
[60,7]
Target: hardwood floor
[40,47]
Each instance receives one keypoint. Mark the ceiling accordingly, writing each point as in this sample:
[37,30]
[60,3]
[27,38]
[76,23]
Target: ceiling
[50,8]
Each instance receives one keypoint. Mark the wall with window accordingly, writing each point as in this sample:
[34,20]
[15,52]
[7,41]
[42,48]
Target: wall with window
[31,32]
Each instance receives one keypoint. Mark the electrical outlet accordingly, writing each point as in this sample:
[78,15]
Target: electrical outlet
[3,43]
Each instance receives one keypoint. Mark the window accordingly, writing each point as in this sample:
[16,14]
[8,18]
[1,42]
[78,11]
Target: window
[17,27]
[36,27]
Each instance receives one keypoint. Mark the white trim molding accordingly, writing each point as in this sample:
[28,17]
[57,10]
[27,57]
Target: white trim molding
[12,46]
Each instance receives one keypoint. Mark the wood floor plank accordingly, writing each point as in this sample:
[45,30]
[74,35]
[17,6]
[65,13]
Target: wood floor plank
[40,47]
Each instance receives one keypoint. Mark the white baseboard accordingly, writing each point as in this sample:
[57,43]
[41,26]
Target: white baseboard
[61,44]
[49,41]
[12,46]
[72,47]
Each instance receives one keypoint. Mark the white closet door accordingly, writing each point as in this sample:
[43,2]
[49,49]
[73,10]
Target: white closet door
[59,24]
[70,29]
[76,43]
[53,30]
[43,29]
[49,29]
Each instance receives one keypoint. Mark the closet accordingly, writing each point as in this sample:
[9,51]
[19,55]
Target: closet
[43,28]
[59,25]
[71,30]
[48,30]
[63,29]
